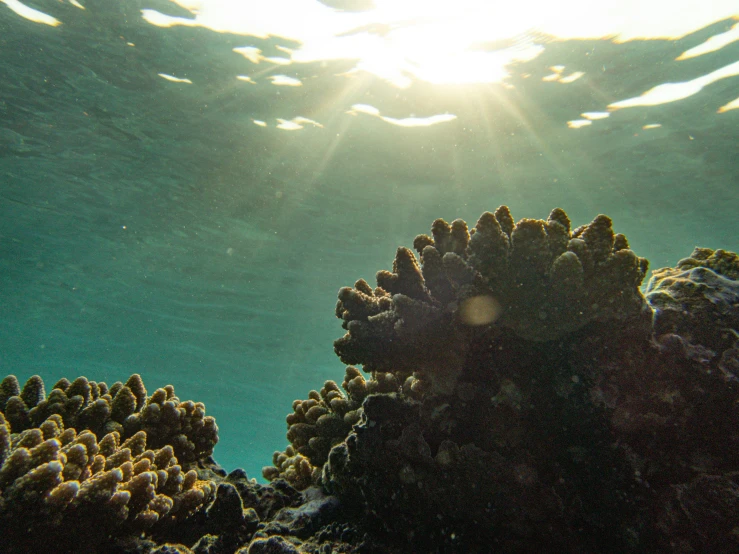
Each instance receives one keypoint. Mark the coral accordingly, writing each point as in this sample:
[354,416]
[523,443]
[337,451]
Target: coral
[248,514]
[620,435]
[225,524]
[124,408]
[461,473]
[271,545]
[698,300]
[293,467]
[171,549]
[539,279]
[5,438]
[670,406]
[551,281]
[265,500]
[608,439]
[524,397]
[706,509]
[57,486]
[320,422]
[184,425]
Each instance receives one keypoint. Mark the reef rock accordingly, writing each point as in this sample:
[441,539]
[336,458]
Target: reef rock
[698,301]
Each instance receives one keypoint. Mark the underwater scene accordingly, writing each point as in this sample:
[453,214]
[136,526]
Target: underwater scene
[369,276]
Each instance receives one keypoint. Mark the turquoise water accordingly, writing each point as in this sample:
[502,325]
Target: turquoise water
[154,226]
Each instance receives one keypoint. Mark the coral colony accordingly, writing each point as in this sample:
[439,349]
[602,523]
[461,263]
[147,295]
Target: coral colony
[519,393]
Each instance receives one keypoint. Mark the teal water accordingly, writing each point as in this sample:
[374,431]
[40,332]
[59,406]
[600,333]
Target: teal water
[150,226]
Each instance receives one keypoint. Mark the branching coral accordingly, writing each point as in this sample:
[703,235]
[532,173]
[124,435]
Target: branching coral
[539,279]
[616,436]
[124,408]
[319,423]
[57,486]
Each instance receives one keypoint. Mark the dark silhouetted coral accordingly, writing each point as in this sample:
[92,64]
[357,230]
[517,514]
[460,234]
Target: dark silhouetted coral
[505,463]
[539,279]
[248,516]
[609,439]
[617,436]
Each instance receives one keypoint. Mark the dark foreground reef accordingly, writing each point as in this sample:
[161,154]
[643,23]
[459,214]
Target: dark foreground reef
[523,396]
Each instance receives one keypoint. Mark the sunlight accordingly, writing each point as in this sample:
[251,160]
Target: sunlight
[713,44]
[442,42]
[420,121]
[294,124]
[254,55]
[671,92]
[402,122]
[285,81]
[733,105]
[579,123]
[465,42]
[31,14]
[174,79]
[557,75]
[595,115]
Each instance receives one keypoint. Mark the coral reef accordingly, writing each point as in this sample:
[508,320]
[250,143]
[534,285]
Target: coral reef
[124,408]
[539,279]
[620,436]
[616,437]
[524,397]
[58,486]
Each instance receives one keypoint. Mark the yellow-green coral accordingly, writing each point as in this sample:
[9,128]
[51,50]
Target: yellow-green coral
[295,468]
[167,420]
[124,408]
[57,485]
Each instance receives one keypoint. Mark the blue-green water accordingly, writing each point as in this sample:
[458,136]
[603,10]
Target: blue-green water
[150,226]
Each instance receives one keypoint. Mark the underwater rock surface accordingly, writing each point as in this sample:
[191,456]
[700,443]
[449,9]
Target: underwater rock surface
[523,396]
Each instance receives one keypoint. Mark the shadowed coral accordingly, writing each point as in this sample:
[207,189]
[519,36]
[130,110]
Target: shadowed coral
[271,545]
[319,423]
[515,454]
[124,408]
[57,485]
[539,279]
[434,489]
[4,438]
[708,502]
[511,445]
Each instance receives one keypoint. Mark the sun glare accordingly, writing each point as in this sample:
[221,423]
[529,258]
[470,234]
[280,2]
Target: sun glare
[444,42]
[31,14]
